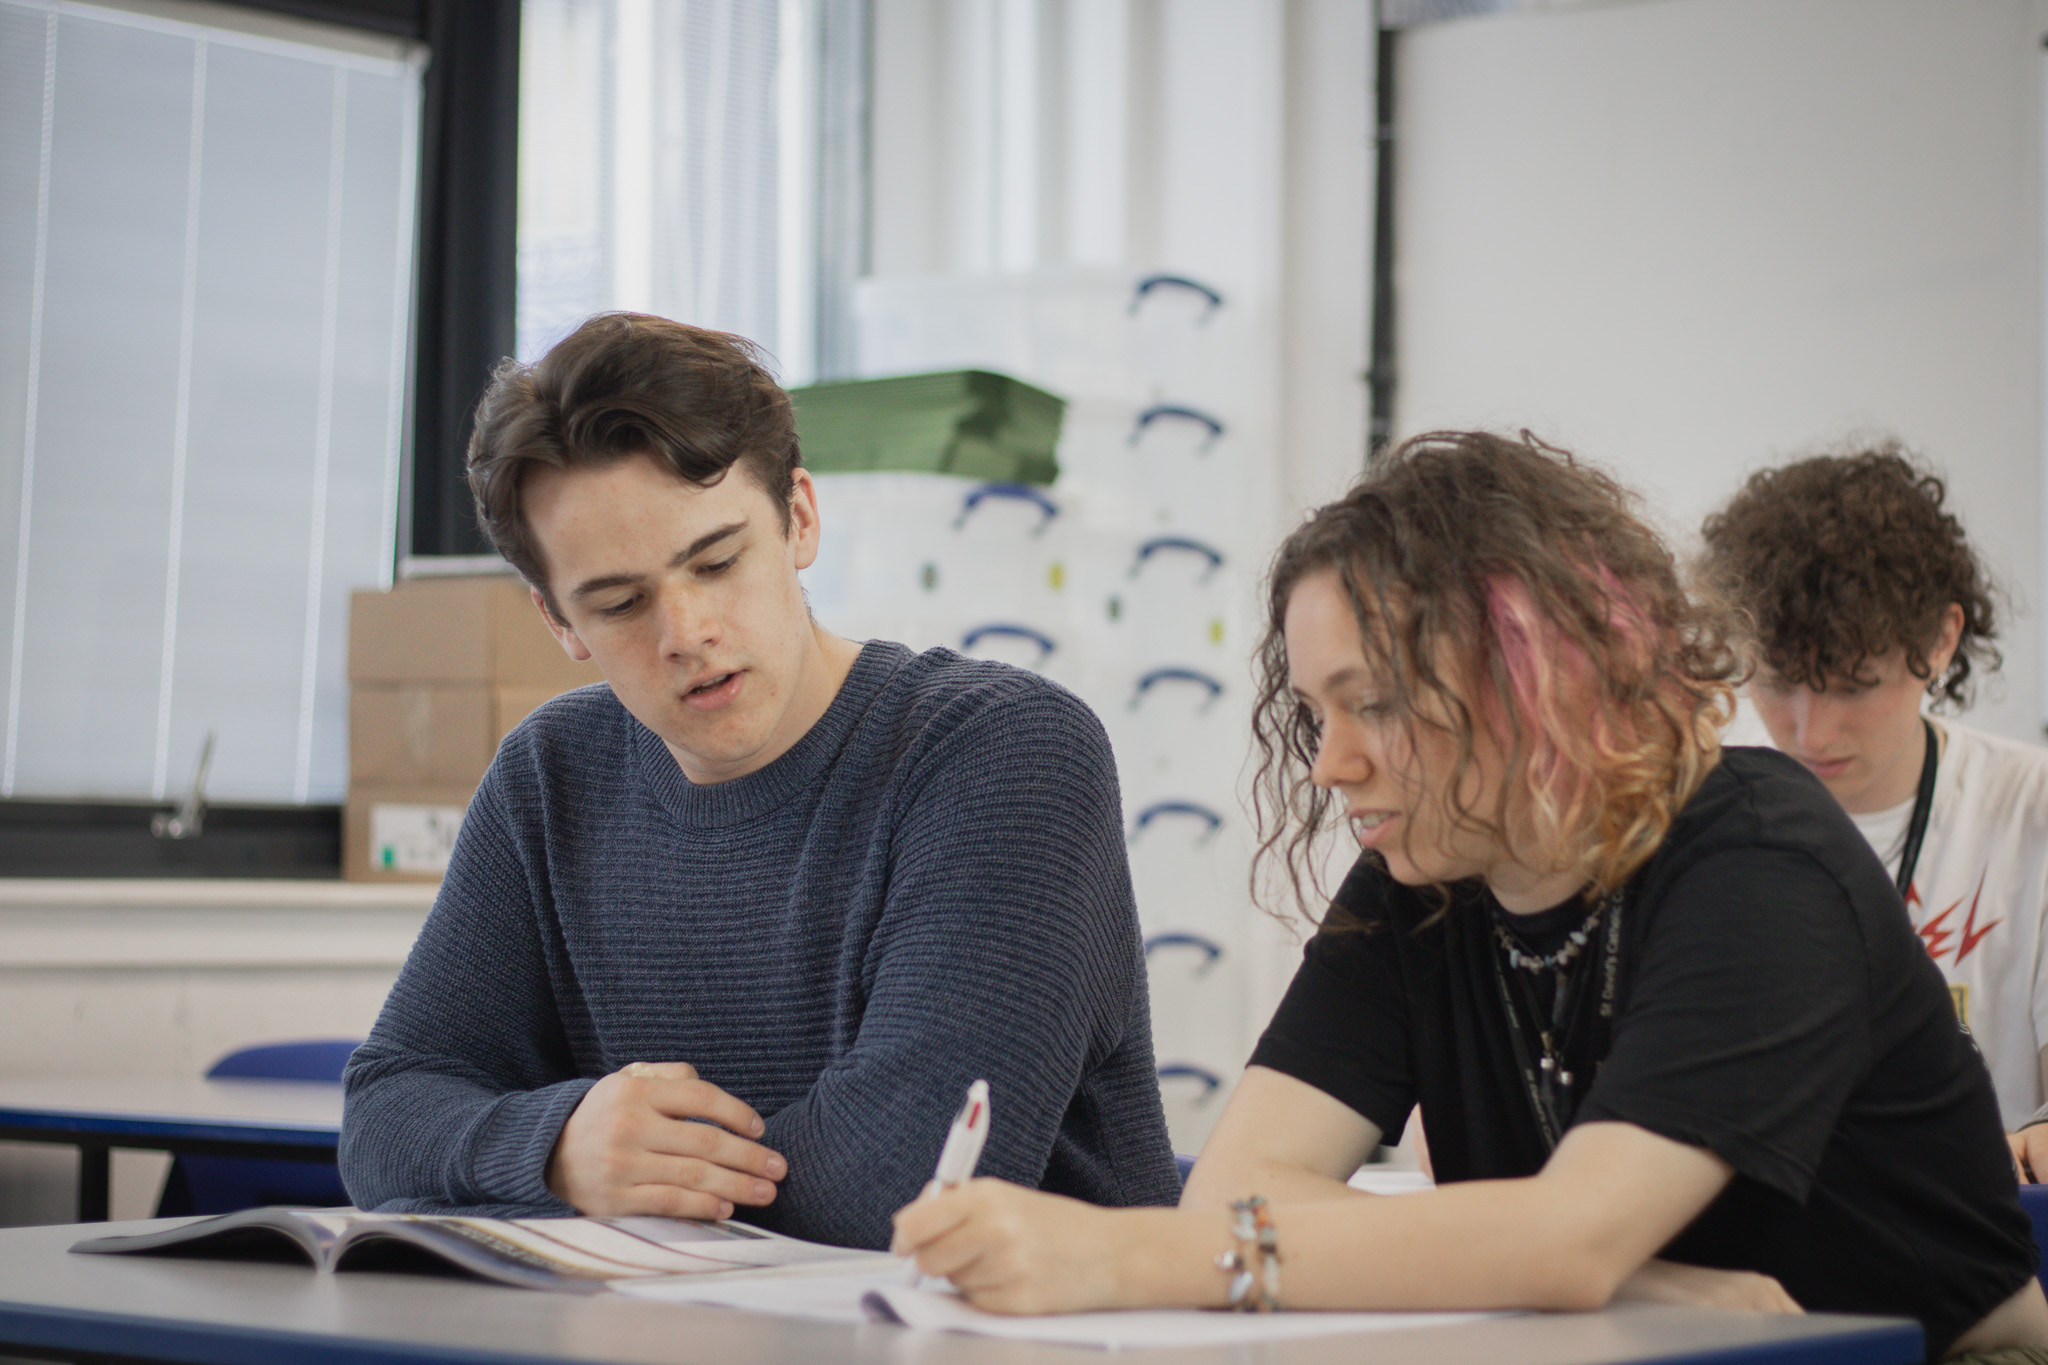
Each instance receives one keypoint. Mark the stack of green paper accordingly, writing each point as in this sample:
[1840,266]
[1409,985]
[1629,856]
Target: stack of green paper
[966,422]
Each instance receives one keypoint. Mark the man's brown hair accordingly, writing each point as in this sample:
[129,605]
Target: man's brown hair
[697,402]
[1840,559]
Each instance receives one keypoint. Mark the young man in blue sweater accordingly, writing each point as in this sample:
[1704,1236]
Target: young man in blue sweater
[732,933]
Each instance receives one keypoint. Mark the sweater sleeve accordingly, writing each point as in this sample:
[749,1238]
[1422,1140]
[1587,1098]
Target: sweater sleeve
[1007,950]
[456,1099]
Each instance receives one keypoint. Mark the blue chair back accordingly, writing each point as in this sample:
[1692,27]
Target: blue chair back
[2034,1199]
[223,1184]
[318,1059]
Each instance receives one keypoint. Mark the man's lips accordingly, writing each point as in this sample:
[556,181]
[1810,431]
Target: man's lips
[1825,768]
[714,691]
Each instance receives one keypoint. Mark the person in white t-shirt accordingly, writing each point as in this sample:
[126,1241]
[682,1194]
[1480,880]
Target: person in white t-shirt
[1868,602]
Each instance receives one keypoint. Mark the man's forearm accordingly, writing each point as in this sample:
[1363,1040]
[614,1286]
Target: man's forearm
[415,1138]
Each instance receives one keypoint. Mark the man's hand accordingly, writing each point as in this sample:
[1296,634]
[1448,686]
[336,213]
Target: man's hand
[1671,1282]
[2030,1152]
[633,1147]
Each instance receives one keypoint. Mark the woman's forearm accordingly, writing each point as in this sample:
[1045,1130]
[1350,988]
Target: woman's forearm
[1214,1185]
[1486,1244]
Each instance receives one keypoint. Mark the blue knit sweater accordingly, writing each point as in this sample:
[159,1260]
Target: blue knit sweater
[929,887]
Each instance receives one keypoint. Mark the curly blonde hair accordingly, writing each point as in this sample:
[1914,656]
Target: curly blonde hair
[1499,583]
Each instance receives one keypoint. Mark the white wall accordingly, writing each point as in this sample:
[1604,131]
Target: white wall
[1227,138]
[121,979]
[1688,238]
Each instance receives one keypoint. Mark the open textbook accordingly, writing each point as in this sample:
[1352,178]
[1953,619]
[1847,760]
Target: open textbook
[575,1254]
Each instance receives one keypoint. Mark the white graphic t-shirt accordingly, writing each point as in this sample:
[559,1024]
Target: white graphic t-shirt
[1978,896]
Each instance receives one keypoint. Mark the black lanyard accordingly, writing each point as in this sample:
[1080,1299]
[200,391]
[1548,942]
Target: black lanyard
[1545,1080]
[1923,805]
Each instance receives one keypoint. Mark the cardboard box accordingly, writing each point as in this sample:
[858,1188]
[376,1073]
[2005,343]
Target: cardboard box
[440,669]
[420,734]
[510,705]
[482,630]
[431,734]
[401,834]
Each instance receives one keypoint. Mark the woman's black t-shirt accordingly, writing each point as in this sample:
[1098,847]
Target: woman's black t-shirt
[1776,1008]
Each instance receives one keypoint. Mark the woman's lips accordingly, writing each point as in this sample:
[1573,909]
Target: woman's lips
[1369,827]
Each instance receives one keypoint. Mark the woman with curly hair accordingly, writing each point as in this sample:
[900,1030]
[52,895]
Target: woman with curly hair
[1673,1035]
[1867,603]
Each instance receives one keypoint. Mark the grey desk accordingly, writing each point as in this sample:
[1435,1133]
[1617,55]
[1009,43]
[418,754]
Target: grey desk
[242,1313]
[296,1120]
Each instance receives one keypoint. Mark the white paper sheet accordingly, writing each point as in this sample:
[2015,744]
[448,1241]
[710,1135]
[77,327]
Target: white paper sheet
[1388,1180]
[884,1294]
[945,1311]
[831,1295]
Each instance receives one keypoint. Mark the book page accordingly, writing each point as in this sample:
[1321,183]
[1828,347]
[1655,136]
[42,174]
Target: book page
[607,1249]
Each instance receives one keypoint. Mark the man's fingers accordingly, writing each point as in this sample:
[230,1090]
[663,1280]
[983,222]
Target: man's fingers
[670,1201]
[686,1097]
[682,1138]
[659,1071]
[690,1173]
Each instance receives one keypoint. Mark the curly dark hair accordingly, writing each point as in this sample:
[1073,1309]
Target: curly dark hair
[695,401]
[1499,583]
[1836,560]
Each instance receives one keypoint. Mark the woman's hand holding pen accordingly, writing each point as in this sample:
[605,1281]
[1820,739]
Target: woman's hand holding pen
[635,1145]
[1012,1250]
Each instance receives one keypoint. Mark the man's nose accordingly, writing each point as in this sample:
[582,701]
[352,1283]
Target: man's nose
[689,624]
[1807,718]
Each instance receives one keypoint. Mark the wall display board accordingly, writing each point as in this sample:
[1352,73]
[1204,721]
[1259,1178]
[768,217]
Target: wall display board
[1129,581]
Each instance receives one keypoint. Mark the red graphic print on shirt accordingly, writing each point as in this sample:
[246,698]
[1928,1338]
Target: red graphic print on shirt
[1936,933]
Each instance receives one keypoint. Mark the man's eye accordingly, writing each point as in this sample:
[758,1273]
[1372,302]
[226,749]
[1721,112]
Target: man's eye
[720,566]
[620,608]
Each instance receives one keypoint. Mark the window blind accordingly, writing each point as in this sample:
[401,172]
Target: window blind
[206,245]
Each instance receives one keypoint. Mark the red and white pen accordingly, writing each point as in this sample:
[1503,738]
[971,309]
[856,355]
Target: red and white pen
[962,1152]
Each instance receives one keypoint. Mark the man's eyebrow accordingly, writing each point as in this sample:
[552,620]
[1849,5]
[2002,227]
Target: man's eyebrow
[706,541]
[591,586]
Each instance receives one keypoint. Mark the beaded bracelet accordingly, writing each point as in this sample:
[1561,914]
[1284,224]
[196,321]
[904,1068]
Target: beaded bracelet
[1254,1263]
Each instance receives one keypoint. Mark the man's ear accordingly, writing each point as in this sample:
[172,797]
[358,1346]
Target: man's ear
[803,518]
[1946,639]
[564,636]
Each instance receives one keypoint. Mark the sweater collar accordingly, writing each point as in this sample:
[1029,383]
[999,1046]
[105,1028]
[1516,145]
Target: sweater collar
[718,804]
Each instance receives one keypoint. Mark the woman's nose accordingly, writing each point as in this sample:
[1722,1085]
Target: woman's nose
[1340,758]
